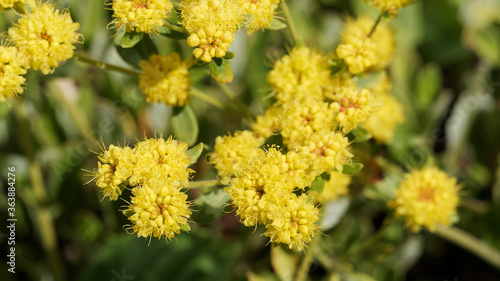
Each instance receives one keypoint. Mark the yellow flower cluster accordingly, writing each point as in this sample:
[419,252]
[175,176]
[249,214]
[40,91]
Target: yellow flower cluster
[262,193]
[156,170]
[426,197]
[11,73]
[212,25]
[267,188]
[5,4]
[390,6]
[363,52]
[231,151]
[383,123]
[45,37]
[165,79]
[261,12]
[140,15]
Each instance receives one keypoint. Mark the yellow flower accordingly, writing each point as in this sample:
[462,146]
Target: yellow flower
[158,209]
[5,4]
[115,167]
[390,6]
[303,73]
[383,123]
[212,25]
[293,222]
[45,37]
[231,151]
[352,106]
[262,12]
[11,74]
[259,183]
[326,150]
[362,53]
[140,15]
[165,79]
[301,119]
[163,159]
[426,197]
[333,189]
[266,125]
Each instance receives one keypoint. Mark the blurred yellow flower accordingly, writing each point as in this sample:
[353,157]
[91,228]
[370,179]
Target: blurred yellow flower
[140,15]
[11,73]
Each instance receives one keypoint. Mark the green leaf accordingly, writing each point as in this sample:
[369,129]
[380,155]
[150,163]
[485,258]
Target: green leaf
[195,152]
[487,43]
[427,84]
[284,262]
[276,24]
[185,125]
[352,169]
[130,39]
[360,134]
[141,51]
[127,213]
[165,31]
[220,69]
[333,213]
[210,206]
[229,55]
[319,182]
[336,65]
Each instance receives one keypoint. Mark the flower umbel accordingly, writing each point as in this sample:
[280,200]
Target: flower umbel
[426,197]
[165,79]
[11,74]
[45,37]
[140,15]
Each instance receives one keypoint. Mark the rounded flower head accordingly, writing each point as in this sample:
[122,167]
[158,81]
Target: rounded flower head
[302,119]
[5,4]
[115,167]
[333,189]
[262,13]
[325,151]
[303,73]
[140,15]
[158,209]
[362,52]
[390,6]
[45,37]
[352,106]
[163,159]
[212,25]
[265,125]
[426,197]
[165,79]
[268,178]
[293,222]
[11,73]
[231,151]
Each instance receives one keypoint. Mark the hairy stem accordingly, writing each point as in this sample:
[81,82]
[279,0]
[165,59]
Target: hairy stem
[209,99]
[296,38]
[201,184]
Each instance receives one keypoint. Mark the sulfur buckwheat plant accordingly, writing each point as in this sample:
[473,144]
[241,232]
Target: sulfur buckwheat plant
[256,139]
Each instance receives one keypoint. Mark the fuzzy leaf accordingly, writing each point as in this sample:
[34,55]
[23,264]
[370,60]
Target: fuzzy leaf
[130,39]
[352,169]
[195,152]
[220,69]
[185,125]
[319,182]
[276,24]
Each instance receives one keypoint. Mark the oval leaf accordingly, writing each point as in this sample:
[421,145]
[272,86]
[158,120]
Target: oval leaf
[360,134]
[319,182]
[284,262]
[165,31]
[185,125]
[220,69]
[210,206]
[141,51]
[195,152]
[351,169]
[130,39]
[276,24]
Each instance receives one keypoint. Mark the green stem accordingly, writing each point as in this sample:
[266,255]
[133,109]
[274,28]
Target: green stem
[288,16]
[202,96]
[78,118]
[41,207]
[174,27]
[308,259]
[107,66]
[232,96]
[377,21]
[470,243]
[201,184]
